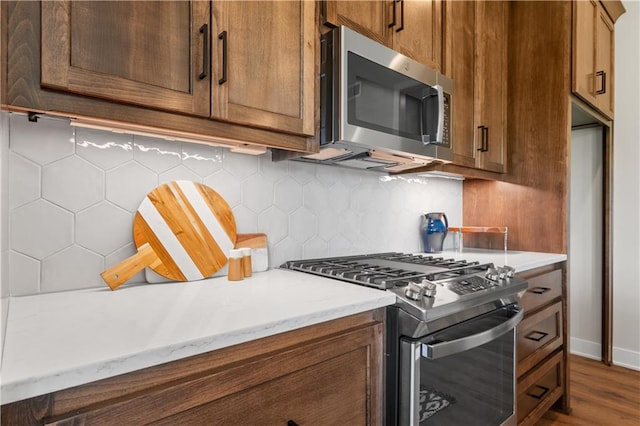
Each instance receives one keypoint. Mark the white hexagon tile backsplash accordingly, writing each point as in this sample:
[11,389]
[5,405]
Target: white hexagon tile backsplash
[73,193]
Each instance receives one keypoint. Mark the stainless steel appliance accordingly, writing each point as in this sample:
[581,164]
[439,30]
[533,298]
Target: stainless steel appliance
[450,336]
[379,109]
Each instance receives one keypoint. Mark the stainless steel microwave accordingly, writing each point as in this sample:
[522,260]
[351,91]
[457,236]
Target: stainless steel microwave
[379,109]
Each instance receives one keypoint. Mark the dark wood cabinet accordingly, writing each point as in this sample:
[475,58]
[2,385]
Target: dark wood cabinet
[150,54]
[593,55]
[479,67]
[329,373]
[541,341]
[415,29]
[157,68]
[264,64]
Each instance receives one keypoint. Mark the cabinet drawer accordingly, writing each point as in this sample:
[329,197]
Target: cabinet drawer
[539,390]
[542,290]
[537,336]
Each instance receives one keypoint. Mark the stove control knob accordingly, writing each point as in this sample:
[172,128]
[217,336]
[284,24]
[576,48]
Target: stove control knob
[416,291]
[492,274]
[509,272]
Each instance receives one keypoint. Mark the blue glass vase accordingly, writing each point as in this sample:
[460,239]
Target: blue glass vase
[433,230]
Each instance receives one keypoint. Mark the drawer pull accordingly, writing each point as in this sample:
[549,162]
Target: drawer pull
[539,290]
[536,335]
[540,395]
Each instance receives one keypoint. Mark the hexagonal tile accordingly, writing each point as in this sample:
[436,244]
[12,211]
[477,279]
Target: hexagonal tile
[349,226]
[178,173]
[104,149]
[127,185]
[120,255]
[72,183]
[303,225]
[272,170]
[363,197]
[340,198]
[71,269]
[24,181]
[158,155]
[327,175]
[40,228]
[288,195]
[349,178]
[24,274]
[273,222]
[339,246]
[257,193]
[287,249]
[104,228]
[246,220]
[316,196]
[202,159]
[327,228]
[227,186]
[315,248]
[302,172]
[48,140]
[239,165]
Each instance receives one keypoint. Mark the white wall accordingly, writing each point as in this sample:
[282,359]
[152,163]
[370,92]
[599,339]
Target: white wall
[585,241]
[72,193]
[626,190]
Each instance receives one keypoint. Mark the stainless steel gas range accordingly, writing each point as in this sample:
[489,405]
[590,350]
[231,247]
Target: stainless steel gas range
[450,336]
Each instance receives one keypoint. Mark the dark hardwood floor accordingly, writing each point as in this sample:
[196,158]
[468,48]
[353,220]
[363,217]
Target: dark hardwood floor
[600,395]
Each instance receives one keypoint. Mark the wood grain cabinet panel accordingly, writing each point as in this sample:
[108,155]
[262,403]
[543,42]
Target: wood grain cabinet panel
[329,374]
[264,67]
[478,67]
[144,53]
[413,28]
[593,55]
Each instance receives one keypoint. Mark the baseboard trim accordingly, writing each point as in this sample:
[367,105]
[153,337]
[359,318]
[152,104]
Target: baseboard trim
[626,358]
[621,357]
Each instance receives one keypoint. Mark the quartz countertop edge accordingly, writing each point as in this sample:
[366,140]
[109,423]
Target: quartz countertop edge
[59,340]
[520,260]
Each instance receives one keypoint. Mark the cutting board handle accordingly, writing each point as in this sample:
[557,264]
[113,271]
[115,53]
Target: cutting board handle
[123,271]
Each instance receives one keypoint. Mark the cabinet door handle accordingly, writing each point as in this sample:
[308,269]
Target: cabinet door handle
[204,30]
[484,136]
[541,394]
[223,36]
[603,88]
[536,336]
[393,21]
[539,290]
[291,423]
[401,27]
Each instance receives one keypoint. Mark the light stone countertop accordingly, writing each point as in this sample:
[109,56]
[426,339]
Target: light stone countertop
[58,340]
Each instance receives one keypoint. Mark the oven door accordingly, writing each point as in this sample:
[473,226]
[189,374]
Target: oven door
[462,375]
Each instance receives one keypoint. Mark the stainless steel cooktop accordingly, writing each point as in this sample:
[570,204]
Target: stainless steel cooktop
[426,287]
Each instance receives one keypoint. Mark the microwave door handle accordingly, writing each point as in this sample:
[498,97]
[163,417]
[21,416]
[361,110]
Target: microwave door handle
[440,350]
[440,129]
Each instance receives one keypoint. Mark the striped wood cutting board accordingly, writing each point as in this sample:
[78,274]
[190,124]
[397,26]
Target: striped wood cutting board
[183,231]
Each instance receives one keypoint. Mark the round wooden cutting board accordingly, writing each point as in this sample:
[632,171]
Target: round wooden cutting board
[183,230]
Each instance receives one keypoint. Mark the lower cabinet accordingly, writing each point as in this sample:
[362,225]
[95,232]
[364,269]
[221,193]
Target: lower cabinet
[541,345]
[324,374]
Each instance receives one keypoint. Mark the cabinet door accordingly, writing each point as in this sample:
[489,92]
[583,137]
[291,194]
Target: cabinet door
[418,31]
[264,67]
[491,88]
[462,50]
[145,53]
[367,17]
[584,39]
[604,62]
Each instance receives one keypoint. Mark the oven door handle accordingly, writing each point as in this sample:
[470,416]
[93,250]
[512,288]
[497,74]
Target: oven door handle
[442,349]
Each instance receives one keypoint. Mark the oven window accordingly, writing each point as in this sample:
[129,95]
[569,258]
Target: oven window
[467,387]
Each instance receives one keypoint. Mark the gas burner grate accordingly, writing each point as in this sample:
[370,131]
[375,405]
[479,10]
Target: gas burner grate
[427,260]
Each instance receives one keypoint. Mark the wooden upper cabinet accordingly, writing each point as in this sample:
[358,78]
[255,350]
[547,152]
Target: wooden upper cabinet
[264,64]
[144,53]
[593,55]
[413,28]
[479,70]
